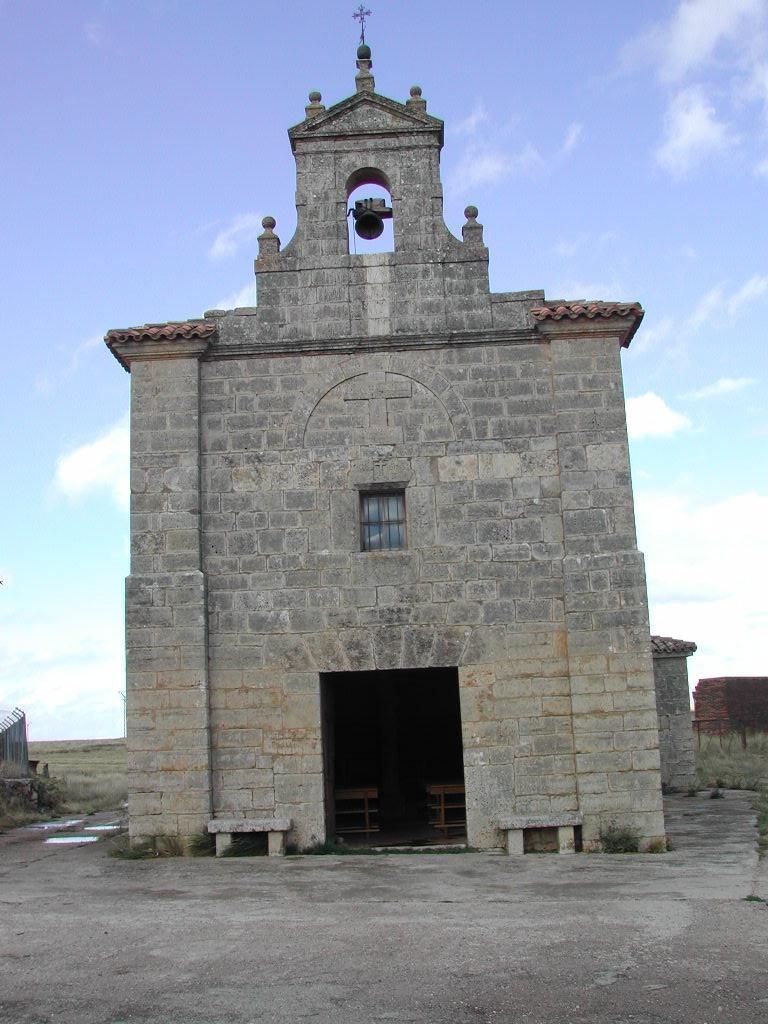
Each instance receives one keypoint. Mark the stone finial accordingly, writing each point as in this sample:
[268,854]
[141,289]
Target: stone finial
[416,102]
[364,81]
[472,232]
[269,243]
[314,107]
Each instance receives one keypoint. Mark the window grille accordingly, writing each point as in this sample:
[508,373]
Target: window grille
[382,521]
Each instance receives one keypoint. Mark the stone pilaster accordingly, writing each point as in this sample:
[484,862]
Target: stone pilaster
[166,632]
[615,727]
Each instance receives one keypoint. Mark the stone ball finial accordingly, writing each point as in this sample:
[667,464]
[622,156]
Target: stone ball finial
[363,52]
[416,91]
[268,223]
[470,212]
[315,96]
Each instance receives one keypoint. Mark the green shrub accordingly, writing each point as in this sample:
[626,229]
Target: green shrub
[657,846]
[201,845]
[147,849]
[615,838]
[50,793]
[246,845]
[331,847]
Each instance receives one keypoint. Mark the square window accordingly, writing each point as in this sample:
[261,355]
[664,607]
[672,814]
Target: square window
[382,520]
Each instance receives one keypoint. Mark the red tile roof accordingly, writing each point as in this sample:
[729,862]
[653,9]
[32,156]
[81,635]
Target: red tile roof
[162,332]
[668,645]
[591,311]
[183,331]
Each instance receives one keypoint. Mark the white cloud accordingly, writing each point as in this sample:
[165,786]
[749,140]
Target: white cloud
[567,247]
[721,307]
[701,586]
[699,27]
[241,230]
[470,124]
[751,291]
[99,465]
[65,671]
[574,288]
[723,386]
[485,165]
[709,307]
[48,382]
[649,415]
[692,133]
[762,168]
[653,334]
[707,49]
[96,34]
[696,35]
[573,136]
[246,296]
[717,308]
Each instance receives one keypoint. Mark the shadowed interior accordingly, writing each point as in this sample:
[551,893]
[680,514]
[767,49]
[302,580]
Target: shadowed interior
[398,733]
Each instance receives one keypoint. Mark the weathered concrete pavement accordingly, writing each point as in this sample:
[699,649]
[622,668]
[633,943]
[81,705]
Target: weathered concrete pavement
[464,938]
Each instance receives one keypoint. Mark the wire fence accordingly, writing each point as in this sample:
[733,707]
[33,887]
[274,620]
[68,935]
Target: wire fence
[13,741]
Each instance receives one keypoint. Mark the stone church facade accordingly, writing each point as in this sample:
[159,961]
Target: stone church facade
[385,508]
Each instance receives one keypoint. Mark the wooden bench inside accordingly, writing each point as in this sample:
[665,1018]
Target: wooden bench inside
[275,828]
[516,824]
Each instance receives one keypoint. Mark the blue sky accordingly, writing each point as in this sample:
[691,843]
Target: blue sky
[615,151]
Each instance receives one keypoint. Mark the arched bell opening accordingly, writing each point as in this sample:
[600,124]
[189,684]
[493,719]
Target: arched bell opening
[369,212]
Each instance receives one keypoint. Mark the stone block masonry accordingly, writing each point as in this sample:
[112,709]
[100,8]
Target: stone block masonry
[500,418]
[673,705]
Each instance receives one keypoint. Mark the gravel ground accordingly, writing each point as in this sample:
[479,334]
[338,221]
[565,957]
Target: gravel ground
[87,939]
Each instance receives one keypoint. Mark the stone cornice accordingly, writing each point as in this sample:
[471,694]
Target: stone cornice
[402,119]
[203,338]
[190,338]
[375,343]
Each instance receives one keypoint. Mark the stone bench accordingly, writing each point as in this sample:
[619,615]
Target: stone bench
[516,824]
[225,828]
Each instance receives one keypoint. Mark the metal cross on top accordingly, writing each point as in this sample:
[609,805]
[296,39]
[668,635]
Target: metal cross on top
[360,15]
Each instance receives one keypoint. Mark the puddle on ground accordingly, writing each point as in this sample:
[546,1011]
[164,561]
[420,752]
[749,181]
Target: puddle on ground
[112,827]
[71,840]
[57,824]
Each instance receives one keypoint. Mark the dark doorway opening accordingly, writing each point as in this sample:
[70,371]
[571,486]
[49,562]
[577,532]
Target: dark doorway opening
[394,757]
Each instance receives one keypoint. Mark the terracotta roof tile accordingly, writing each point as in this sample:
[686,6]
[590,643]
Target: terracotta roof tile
[162,332]
[591,311]
[668,645]
[573,310]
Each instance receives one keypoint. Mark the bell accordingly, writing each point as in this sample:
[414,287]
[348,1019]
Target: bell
[369,216]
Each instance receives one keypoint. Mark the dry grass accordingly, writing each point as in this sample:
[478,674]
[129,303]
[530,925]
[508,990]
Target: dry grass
[14,813]
[722,762]
[93,772]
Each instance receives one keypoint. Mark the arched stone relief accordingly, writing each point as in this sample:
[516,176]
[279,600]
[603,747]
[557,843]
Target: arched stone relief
[378,407]
[387,401]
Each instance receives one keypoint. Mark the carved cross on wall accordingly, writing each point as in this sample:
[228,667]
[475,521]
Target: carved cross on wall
[376,390]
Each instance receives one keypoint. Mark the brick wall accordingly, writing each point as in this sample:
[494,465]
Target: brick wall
[731,704]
